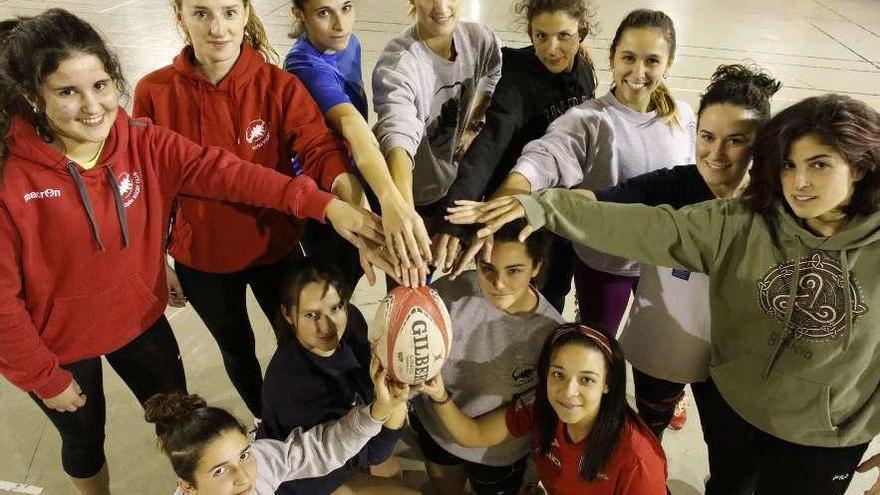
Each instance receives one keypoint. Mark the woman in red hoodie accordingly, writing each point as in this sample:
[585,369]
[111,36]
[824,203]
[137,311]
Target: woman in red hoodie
[85,198]
[222,90]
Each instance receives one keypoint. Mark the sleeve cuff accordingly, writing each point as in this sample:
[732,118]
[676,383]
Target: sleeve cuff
[534,211]
[531,172]
[313,202]
[58,381]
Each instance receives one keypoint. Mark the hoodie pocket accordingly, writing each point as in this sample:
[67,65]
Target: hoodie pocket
[79,323]
[791,407]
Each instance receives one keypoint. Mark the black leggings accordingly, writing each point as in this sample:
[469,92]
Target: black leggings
[149,364]
[656,399]
[744,460]
[219,299]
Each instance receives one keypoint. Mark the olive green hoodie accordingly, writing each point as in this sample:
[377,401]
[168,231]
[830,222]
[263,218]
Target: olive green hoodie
[806,372]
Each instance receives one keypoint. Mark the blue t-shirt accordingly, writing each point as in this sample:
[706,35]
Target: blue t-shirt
[331,79]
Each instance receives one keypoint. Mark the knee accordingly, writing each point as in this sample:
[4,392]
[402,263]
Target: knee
[82,458]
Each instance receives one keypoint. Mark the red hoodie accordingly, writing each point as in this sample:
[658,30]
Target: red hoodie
[262,114]
[82,272]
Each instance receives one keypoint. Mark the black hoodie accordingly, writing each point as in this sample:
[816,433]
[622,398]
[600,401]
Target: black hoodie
[527,99]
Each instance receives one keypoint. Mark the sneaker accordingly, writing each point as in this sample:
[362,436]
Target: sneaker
[252,433]
[680,416]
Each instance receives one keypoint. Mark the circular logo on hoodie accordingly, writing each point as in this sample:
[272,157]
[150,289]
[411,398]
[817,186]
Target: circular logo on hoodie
[129,187]
[819,313]
[257,133]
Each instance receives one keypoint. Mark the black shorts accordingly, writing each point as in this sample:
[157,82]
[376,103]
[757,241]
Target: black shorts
[485,480]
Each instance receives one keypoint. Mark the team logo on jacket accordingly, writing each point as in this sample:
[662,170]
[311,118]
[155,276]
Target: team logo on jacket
[257,133]
[129,187]
[819,310]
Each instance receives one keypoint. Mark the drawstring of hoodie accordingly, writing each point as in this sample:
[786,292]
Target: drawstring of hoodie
[120,207]
[789,311]
[90,211]
[847,298]
[87,203]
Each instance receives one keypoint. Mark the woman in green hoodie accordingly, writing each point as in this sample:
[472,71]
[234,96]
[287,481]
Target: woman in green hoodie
[795,271]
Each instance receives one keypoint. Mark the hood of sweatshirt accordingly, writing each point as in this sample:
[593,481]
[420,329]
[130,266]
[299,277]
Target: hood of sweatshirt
[243,71]
[859,231]
[27,144]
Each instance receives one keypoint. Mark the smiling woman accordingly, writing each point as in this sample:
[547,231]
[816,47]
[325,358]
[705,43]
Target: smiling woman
[87,193]
[584,437]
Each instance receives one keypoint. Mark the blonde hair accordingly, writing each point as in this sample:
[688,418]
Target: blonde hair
[254,32]
[661,97]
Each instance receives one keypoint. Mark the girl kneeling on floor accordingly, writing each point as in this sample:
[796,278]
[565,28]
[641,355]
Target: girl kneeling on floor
[320,371]
[585,438]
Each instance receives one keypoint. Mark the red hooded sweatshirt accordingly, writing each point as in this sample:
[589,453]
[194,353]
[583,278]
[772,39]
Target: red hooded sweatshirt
[82,271]
[262,114]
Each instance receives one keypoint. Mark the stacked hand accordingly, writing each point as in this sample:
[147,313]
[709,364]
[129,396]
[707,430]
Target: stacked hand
[494,214]
[407,242]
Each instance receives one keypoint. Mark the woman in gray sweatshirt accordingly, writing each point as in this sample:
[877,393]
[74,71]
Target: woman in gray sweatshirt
[428,84]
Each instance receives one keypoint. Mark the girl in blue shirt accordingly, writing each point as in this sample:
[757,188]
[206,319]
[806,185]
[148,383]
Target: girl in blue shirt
[327,58]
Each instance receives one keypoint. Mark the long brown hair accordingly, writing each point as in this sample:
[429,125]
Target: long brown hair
[254,32]
[844,123]
[31,49]
[661,97]
[577,9]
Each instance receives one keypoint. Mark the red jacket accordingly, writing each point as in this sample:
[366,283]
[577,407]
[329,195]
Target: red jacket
[82,271]
[262,114]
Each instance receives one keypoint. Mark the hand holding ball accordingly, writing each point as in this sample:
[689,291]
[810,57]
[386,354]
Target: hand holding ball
[411,334]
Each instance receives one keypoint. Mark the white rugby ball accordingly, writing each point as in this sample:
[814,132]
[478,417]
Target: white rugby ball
[411,334]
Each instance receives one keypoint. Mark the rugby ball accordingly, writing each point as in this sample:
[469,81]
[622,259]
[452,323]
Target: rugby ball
[411,334]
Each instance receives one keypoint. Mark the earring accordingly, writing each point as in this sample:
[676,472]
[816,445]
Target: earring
[36,110]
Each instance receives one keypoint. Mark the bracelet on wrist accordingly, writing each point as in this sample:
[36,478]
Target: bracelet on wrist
[444,401]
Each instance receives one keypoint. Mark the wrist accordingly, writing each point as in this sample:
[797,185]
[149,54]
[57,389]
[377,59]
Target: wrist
[379,413]
[447,396]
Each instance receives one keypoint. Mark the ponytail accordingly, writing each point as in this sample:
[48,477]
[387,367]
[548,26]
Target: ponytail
[664,104]
[256,36]
[185,425]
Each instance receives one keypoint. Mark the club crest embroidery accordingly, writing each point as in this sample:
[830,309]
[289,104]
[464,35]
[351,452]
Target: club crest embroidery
[129,187]
[257,133]
[819,314]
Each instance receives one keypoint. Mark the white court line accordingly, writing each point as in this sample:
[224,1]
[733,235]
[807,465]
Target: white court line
[13,487]
[119,5]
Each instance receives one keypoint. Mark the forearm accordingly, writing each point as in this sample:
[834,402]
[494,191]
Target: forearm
[514,184]
[369,158]
[400,165]
[348,188]
[660,236]
[485,431]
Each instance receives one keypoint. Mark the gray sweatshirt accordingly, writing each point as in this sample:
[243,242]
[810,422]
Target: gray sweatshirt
[601,143]
[423,101]
[311,453]
[493,359]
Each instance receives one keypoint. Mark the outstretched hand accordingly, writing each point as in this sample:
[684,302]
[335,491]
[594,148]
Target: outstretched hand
[493,214]
[868,465]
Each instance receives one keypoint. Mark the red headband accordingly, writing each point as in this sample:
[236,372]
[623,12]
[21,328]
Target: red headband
[599,338]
